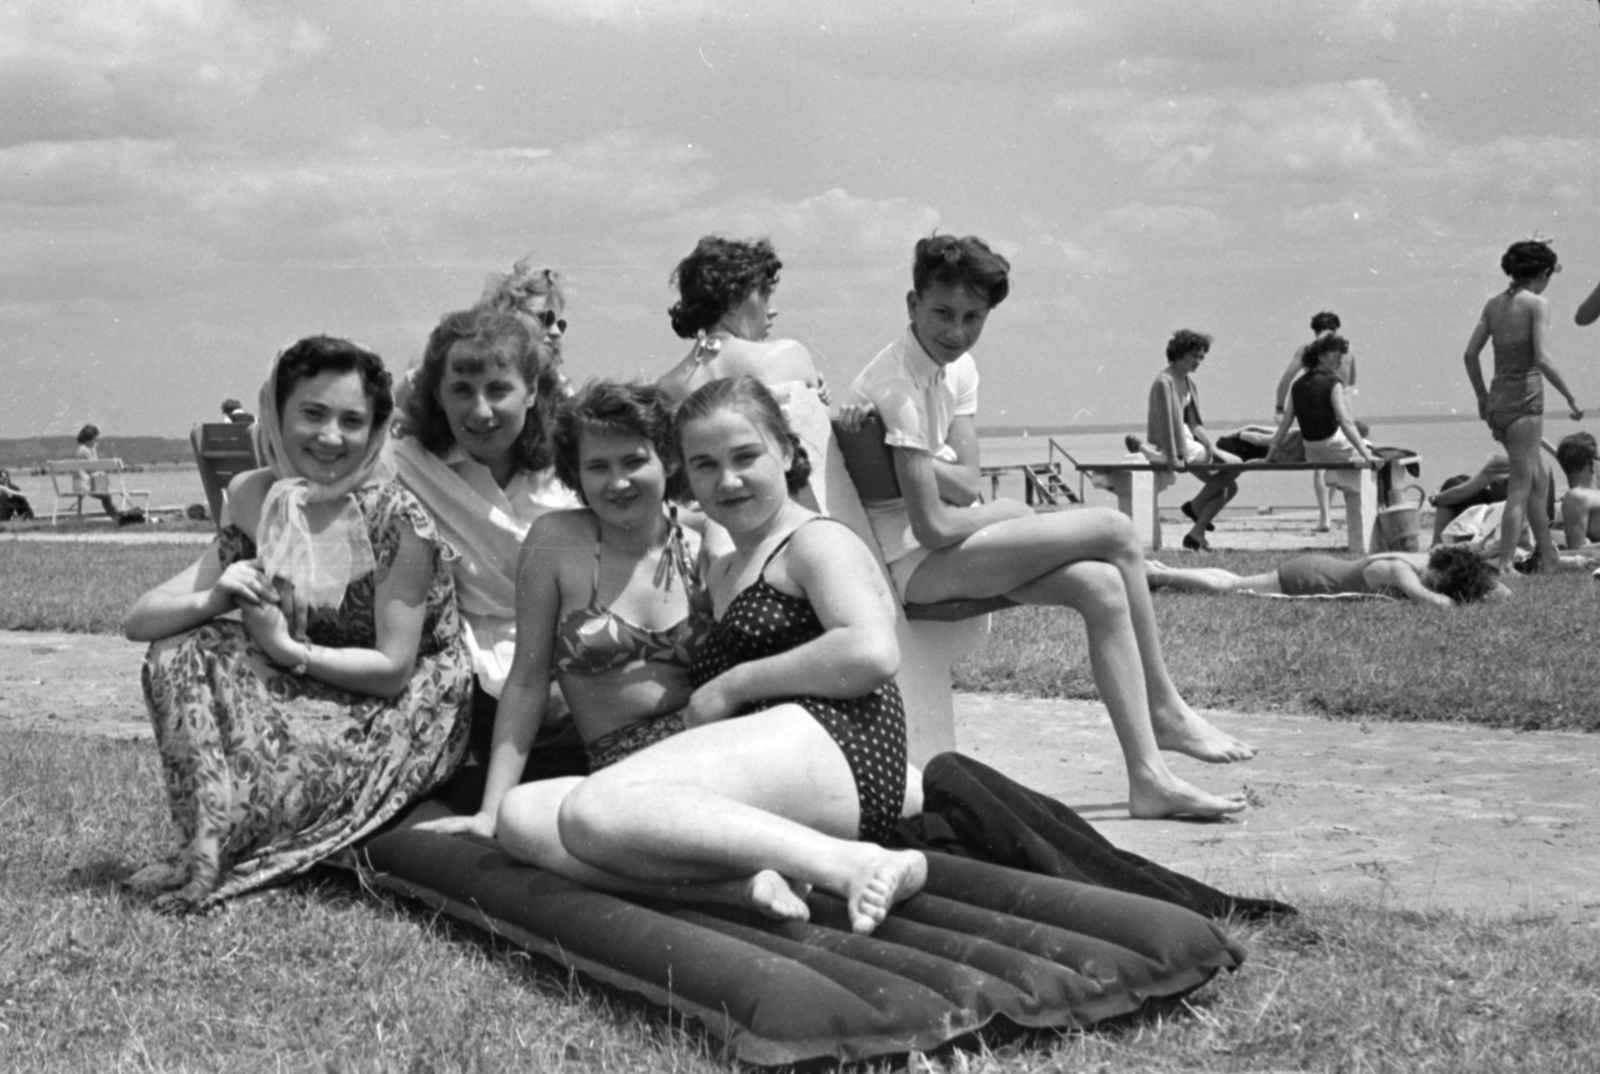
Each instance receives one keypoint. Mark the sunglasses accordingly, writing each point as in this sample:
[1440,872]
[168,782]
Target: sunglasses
[548,318]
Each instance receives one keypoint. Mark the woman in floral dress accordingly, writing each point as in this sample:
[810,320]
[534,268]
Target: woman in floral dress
[338,694]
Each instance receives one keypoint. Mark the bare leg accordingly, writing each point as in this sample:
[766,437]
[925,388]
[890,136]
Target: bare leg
[769,791]
[527,828]
[1210,580]
[1096,590]
[1032,559]
[1525,494]
[1319,488]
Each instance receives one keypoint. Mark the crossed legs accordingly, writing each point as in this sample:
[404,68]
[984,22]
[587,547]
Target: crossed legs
[1089,560]
[750,811]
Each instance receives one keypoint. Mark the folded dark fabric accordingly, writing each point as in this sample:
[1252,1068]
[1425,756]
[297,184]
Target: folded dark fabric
[972,811]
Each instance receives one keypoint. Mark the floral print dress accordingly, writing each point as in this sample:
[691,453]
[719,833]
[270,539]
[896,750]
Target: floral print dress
[279,771]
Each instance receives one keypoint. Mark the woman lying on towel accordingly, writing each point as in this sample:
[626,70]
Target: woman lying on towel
[1444,577]
[752,810]
[338,694]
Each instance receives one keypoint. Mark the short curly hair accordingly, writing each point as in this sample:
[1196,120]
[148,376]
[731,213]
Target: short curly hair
[716,277]
[629,408]
[1326,321]
[493,336]
[509,292]
[1185,340]
[967,261]
[1526,259]
[755,401]
[316,355]
[89,433]
[1323,345]
[1576,451]
[1460,574]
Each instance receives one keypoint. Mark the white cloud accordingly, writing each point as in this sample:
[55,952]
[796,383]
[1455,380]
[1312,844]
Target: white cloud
[134,67]
[1163,225]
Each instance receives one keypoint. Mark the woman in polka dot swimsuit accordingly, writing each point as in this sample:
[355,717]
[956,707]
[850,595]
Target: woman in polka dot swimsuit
[756,809]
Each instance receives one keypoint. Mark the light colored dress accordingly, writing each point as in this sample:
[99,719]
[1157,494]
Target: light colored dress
[285,769]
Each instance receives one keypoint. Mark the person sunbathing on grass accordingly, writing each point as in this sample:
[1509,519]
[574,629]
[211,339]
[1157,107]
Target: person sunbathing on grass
[942,544]
[683,800]
[1445,577]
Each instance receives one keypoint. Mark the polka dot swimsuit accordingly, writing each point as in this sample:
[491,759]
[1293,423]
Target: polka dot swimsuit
[762,621]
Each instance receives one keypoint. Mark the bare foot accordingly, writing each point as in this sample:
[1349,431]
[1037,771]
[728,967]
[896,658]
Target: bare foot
[1193,736]
[156,878]
[770,893]
[887,877]
[1173,797]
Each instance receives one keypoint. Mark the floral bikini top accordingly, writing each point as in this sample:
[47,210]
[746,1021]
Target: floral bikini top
[593,639]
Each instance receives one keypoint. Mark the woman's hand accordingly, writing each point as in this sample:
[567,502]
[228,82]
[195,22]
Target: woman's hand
[266,624]
[477,824]
[243,584]
[712,702]
[294,611]
[1573,409]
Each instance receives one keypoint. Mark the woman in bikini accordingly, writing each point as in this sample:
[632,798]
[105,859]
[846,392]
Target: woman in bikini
[747,811]
[1517,320]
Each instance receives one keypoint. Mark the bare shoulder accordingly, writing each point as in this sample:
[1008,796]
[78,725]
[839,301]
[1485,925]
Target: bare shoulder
[826,546]
[558,531]
[246,493]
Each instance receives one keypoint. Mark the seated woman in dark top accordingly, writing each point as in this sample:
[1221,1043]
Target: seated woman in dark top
[1447,576]
[1317,403]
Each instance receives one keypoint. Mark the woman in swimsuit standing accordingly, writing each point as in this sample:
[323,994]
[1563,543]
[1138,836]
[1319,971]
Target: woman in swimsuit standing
[730,810]
[1517,320]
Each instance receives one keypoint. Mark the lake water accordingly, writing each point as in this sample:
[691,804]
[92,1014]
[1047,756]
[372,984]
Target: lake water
[1446,447]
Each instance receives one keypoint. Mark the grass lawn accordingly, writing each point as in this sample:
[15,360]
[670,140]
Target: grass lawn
[321,975]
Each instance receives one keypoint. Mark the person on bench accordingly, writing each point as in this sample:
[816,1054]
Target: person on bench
[1318,406]
[1447,576]
[1325,323]
[942,544]
[1179,439]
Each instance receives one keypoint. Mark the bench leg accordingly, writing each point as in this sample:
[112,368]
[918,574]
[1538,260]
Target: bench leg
[1361,514]
[1139,499]
[928,651]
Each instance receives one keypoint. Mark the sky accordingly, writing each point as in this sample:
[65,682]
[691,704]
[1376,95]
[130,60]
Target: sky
[186,186]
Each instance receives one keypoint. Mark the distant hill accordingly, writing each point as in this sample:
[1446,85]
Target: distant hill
[34,451]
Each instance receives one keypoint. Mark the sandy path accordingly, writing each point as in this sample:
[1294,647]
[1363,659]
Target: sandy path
[1419,816]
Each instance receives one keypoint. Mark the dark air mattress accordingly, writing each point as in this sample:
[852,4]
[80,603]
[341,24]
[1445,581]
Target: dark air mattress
[981,942]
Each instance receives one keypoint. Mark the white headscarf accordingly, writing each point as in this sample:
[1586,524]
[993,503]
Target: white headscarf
[319,562]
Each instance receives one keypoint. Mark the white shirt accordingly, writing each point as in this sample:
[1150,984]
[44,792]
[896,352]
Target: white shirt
[486,531]
[918,400]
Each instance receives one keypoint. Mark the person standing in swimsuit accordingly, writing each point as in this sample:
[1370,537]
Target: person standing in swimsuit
[1517,320]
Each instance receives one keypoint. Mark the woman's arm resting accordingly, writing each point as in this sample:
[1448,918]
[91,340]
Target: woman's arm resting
[398,614]
[857,651]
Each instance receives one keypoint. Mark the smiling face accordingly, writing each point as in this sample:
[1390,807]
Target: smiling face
[623,480]
[327,424]
[735,469]
[947,319]
[486,402]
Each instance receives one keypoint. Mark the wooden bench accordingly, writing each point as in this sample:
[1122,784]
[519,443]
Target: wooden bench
[222,451]
[63,470]
[933,636]
[1139,497]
